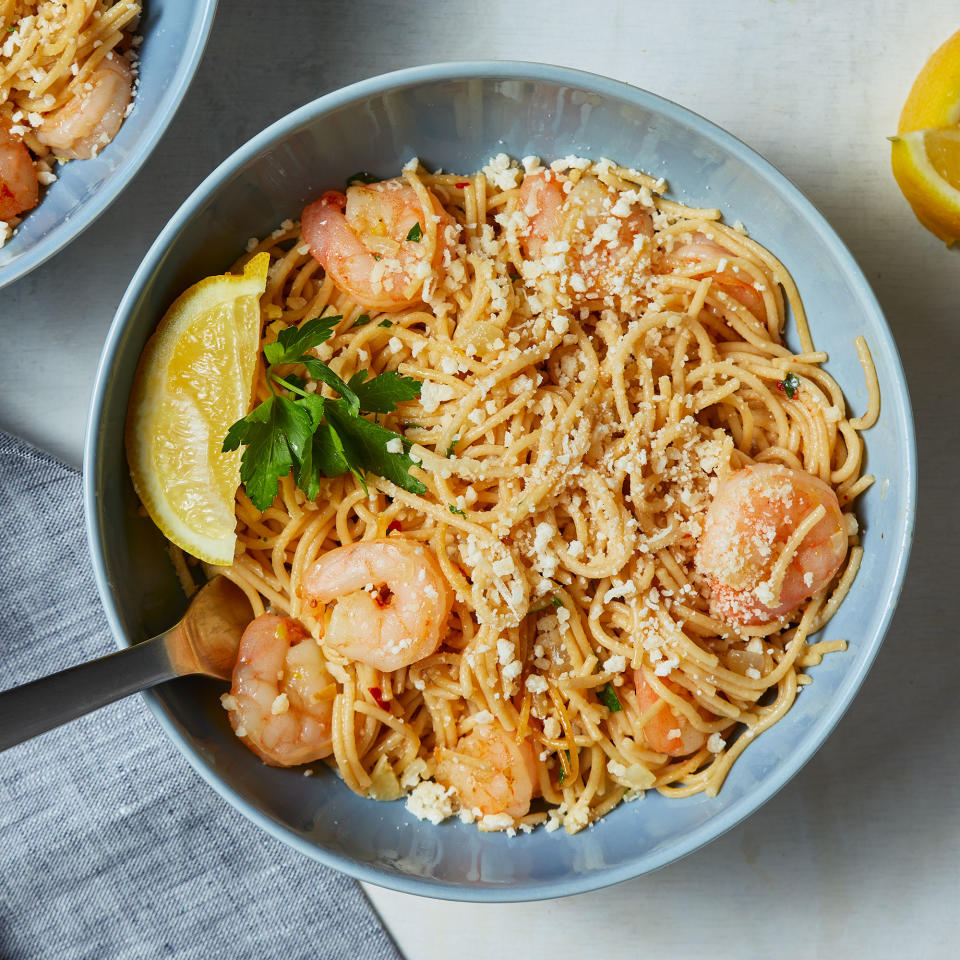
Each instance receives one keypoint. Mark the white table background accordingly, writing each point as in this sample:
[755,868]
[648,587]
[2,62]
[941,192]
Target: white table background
[860,854]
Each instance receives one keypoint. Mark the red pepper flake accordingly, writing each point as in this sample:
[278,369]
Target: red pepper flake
[462,184]
[377,695]
[394,525]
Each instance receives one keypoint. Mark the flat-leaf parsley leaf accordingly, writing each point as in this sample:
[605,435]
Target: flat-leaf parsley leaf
[317,436]
[608,697]
[789,385]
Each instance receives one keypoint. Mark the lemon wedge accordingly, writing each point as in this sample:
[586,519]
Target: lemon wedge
[926,164]
[194,380]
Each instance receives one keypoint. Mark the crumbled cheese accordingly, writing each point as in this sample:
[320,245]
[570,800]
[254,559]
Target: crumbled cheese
[394,445]
[615,664]
[433,394]
[716,743]
[431,801]
[536,684]
[496,821]
[542,536]
[502,172]
[764,593]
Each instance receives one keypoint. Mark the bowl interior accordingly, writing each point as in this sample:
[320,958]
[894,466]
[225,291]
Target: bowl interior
[174,33]
[456,117]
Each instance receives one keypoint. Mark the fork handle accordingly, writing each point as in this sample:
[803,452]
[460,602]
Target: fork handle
[34,708]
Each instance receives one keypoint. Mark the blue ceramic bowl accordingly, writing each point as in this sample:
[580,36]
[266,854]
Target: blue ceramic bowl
[456,116]
[174,35]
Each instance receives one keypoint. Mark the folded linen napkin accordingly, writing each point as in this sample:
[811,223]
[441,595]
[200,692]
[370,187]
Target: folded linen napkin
[110,845]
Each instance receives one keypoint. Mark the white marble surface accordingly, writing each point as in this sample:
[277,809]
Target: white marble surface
[860,855]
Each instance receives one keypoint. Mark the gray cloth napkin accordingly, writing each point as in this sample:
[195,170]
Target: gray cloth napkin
[110,845]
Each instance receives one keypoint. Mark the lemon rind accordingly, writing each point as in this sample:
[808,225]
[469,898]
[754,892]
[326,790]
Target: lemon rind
[934,98]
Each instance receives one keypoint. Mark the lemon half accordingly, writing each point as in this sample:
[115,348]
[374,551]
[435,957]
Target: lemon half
[926,152]
[194,380]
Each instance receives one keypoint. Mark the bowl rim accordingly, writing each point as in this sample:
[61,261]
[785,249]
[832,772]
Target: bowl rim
[95,205]
[900,404]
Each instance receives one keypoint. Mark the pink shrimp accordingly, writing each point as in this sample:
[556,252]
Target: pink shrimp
[92,116]
[603,241]
[667,731]
[490,771]
[750,519]
[281,701]
[739,286]
[371,241]
[18,176]
[390,601]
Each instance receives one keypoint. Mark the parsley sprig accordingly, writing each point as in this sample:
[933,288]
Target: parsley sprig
[316,436]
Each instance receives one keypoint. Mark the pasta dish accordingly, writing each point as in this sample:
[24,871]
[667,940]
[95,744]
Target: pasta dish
[67,76]
[593,519]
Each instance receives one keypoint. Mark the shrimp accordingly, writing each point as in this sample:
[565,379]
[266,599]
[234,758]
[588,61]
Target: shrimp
[92,116]
[18,176]
[702,248]
[667,731]
[490,771]
[748,524]
[371,241]
[599,231]
[390,601]
[281,701]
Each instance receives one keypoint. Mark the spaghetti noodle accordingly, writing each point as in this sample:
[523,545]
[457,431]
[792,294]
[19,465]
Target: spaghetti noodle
[596,362]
